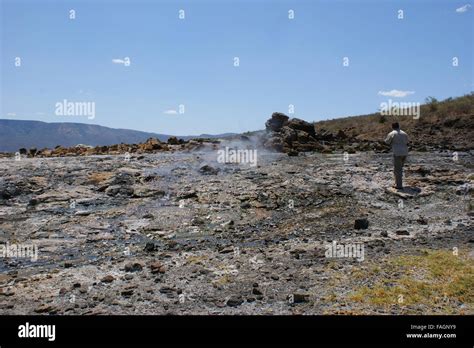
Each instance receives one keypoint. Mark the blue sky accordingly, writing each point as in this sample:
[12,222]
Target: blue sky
[191,61]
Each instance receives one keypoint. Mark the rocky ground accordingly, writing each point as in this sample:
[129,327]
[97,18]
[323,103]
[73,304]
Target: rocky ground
[179,233]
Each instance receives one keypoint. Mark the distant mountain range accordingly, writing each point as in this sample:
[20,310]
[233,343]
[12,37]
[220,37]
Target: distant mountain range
[16,134]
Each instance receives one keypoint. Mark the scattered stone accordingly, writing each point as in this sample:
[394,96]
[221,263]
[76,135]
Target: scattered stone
[167,290]
[208,170]
[149,247]
[245,205]
[126,292]
[186,194]
[234,301]
[118,190]
[361,224]
[107,279]
[422,221]
[133,267]
[157,267]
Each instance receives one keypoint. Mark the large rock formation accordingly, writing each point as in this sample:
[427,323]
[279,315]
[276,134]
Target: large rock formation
[290,135]
[294,135]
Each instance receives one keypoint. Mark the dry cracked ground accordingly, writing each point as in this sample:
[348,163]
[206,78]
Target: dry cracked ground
[166,234]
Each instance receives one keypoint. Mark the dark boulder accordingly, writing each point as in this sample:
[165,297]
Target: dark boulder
[235,301]
[298,124]
[208,170]
[361,224]
[33,152]
[151,144]
[276,122]
[173,141]
[288,134]
[133,267]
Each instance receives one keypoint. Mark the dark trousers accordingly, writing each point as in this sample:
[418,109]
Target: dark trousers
[398,162]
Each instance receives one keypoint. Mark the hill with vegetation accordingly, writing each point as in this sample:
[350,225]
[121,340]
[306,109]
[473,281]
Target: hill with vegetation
[441,124]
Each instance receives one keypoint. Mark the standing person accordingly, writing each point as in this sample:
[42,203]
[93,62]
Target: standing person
[398,139]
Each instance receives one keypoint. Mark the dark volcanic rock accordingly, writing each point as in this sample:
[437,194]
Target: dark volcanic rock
[133,267]
[290,135]
[235,301]
[361,224]
[33,152]
[107,279]
[8,190]
[186,194]
[297,124]
[117,190]
[276,122]
[127,292]
[208,170]
[173,141]
[149,247]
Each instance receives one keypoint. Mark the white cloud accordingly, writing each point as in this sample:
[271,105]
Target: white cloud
[463,9]
[125,61]
[395,93]
[170,112]
[11,114]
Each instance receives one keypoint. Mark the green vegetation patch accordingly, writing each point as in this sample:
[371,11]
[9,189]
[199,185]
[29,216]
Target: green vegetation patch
[433,278]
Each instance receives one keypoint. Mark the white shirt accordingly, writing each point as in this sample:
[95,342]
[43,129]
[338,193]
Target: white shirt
[399,141]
